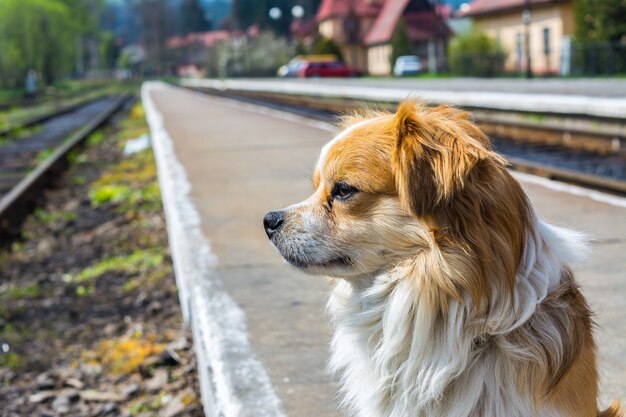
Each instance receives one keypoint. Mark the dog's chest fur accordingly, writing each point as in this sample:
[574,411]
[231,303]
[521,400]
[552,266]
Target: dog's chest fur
[398,355]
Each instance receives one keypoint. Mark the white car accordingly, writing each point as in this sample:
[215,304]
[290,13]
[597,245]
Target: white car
[290,69]
[407,65]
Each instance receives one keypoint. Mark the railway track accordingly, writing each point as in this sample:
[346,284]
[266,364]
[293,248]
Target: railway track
[28,165]
[44,98]
[42,115]
[594,160]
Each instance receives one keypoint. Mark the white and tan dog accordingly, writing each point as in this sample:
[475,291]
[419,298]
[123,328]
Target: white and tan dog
[454,299]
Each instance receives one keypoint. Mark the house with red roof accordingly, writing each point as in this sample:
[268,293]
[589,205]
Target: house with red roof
[193,51]
[551,25]
[363,29]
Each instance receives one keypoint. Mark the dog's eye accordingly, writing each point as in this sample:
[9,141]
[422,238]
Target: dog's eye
[343,191]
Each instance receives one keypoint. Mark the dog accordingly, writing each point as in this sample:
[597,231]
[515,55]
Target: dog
[449,296]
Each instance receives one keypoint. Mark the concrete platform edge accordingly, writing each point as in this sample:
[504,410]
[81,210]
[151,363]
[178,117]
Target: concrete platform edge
[233,382]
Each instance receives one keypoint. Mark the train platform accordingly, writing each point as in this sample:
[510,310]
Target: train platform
[588,98]
[260,327]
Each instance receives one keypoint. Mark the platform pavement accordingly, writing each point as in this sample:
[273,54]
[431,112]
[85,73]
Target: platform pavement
[242,160]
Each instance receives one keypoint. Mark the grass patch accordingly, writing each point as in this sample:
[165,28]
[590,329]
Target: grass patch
[79,180]
[21,133]
[18,293]
[12,337]
[128,198]
[43,155]
[138,262]
[131,183]
[113,193]
[85,290]
[131,285]
[154,276]
[51,217]
[95,139]
[141,262]
[10,360]
[10,94]
[134,125]
[75,156]
[151,192]
[151,196]
[140,167]
[137,113]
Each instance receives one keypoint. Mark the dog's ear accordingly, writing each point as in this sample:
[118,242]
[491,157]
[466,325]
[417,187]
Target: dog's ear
[433,155]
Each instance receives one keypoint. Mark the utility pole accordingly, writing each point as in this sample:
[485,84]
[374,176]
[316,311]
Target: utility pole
[434,54]
[527,19]
[351,27]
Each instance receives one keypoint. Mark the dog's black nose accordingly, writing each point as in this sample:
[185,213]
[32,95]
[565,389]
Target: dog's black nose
[272,222]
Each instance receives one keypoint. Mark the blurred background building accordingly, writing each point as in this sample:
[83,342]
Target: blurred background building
[551,27]
[364,30]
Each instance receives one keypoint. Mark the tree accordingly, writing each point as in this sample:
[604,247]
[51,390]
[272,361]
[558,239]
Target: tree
[109,50]
[301,48]
[263,55]
[38,35]
[476,54]
[85,14]
[323,46]
[192,17]
[600,20]
[157,27]
[400,43]
[600,41]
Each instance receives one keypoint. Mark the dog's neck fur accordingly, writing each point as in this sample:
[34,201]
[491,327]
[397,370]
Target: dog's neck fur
[399,354]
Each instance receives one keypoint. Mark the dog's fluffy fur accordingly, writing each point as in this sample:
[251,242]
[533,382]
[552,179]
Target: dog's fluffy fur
[454,298]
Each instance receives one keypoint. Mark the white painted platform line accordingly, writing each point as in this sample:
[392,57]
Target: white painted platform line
[551,103]
[233,382]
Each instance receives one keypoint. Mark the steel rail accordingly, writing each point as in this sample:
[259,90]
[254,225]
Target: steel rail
[16,204]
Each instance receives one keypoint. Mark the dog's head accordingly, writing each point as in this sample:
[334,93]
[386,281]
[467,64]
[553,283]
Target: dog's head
[389,186]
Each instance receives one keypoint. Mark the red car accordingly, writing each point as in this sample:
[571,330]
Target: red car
[324,69]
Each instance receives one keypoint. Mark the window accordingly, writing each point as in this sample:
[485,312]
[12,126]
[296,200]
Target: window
[519,43]
[546,41]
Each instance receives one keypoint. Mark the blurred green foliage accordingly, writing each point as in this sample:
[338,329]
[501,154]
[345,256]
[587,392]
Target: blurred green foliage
[109,50]
[476,54]
[400,43]
[42,35]
[600,20]
[110,194]
[140,261]
[326,46]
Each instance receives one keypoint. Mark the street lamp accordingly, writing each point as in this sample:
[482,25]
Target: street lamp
[275,13]
[297,11]
[527,19]
[351,30]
